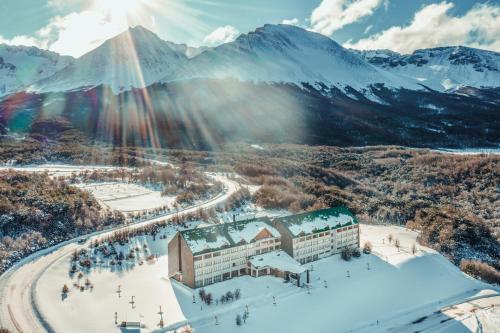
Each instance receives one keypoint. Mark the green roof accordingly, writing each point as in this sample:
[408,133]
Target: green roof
[220,236]
[317,221]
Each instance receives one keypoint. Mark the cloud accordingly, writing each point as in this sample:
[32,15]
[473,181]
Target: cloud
[221,35]
[22,40]
[368,28]
[433,26]
[333,15]
[73,34]
[66,34]
[294,21]
[81,31]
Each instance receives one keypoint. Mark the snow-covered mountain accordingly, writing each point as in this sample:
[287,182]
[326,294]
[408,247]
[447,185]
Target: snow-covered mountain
[284,53]
[20,66]
[442,68]
[134,59]
[273,53]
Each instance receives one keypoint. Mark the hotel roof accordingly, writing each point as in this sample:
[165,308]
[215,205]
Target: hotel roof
[317,221]
[277,259]
[220,236]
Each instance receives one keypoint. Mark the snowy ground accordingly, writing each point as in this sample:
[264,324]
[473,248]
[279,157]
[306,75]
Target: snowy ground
[470,151]
[250,211]
[128,197]
[398,289]
[93,310]
[56,170]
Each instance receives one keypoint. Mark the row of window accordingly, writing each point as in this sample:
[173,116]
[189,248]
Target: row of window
[238,249]
[228,261]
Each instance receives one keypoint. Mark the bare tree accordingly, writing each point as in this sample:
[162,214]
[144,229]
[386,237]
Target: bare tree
[414,249]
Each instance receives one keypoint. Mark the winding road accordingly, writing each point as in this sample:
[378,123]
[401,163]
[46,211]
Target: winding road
[18,309]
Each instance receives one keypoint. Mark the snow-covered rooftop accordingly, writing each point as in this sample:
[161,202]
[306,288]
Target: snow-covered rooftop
[215,237]
[247,231]
[277,259]
[317,221]
[206,239]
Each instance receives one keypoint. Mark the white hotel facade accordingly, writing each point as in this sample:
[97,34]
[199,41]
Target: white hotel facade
[202,256]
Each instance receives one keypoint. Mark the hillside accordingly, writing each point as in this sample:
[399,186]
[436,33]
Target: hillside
[192,114]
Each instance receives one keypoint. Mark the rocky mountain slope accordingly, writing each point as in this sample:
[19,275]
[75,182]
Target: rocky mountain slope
[277,84]
[134,59]
[442,68]
[284,53]
[21,66]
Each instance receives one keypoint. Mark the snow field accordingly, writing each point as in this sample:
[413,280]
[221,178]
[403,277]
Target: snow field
[57,170]
[398,288]
[93,310]
[128,197]
[392,291]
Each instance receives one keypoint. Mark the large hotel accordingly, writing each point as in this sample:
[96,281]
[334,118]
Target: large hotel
[260,246]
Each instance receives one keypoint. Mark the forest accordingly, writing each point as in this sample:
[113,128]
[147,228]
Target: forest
[452,199]
[37,211]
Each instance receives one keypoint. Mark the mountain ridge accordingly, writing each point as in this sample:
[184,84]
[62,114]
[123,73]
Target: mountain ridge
[441,68]
[137,58]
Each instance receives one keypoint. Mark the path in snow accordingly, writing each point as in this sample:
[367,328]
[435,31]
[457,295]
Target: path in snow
[18,300]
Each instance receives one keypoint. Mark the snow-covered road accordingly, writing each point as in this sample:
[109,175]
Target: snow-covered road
[18,311]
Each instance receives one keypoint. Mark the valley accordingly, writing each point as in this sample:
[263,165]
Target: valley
[205,167]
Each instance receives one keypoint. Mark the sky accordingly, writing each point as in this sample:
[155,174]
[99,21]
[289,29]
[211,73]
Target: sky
[74,27]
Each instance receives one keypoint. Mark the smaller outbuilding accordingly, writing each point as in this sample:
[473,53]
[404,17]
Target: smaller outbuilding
[279,264]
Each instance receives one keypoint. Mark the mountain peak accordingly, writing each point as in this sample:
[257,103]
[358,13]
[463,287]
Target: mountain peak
[135,58]
[139,29]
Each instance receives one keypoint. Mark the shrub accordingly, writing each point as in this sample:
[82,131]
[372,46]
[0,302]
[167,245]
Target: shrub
[367,247]
[65,290]
[346,254]
[238,320]
[480,270]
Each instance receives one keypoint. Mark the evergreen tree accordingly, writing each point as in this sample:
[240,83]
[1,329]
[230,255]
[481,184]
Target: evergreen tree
[237,294]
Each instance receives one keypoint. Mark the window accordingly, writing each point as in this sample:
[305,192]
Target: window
[207,256]
[197,258]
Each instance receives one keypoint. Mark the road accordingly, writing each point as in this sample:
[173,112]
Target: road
[18,311]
